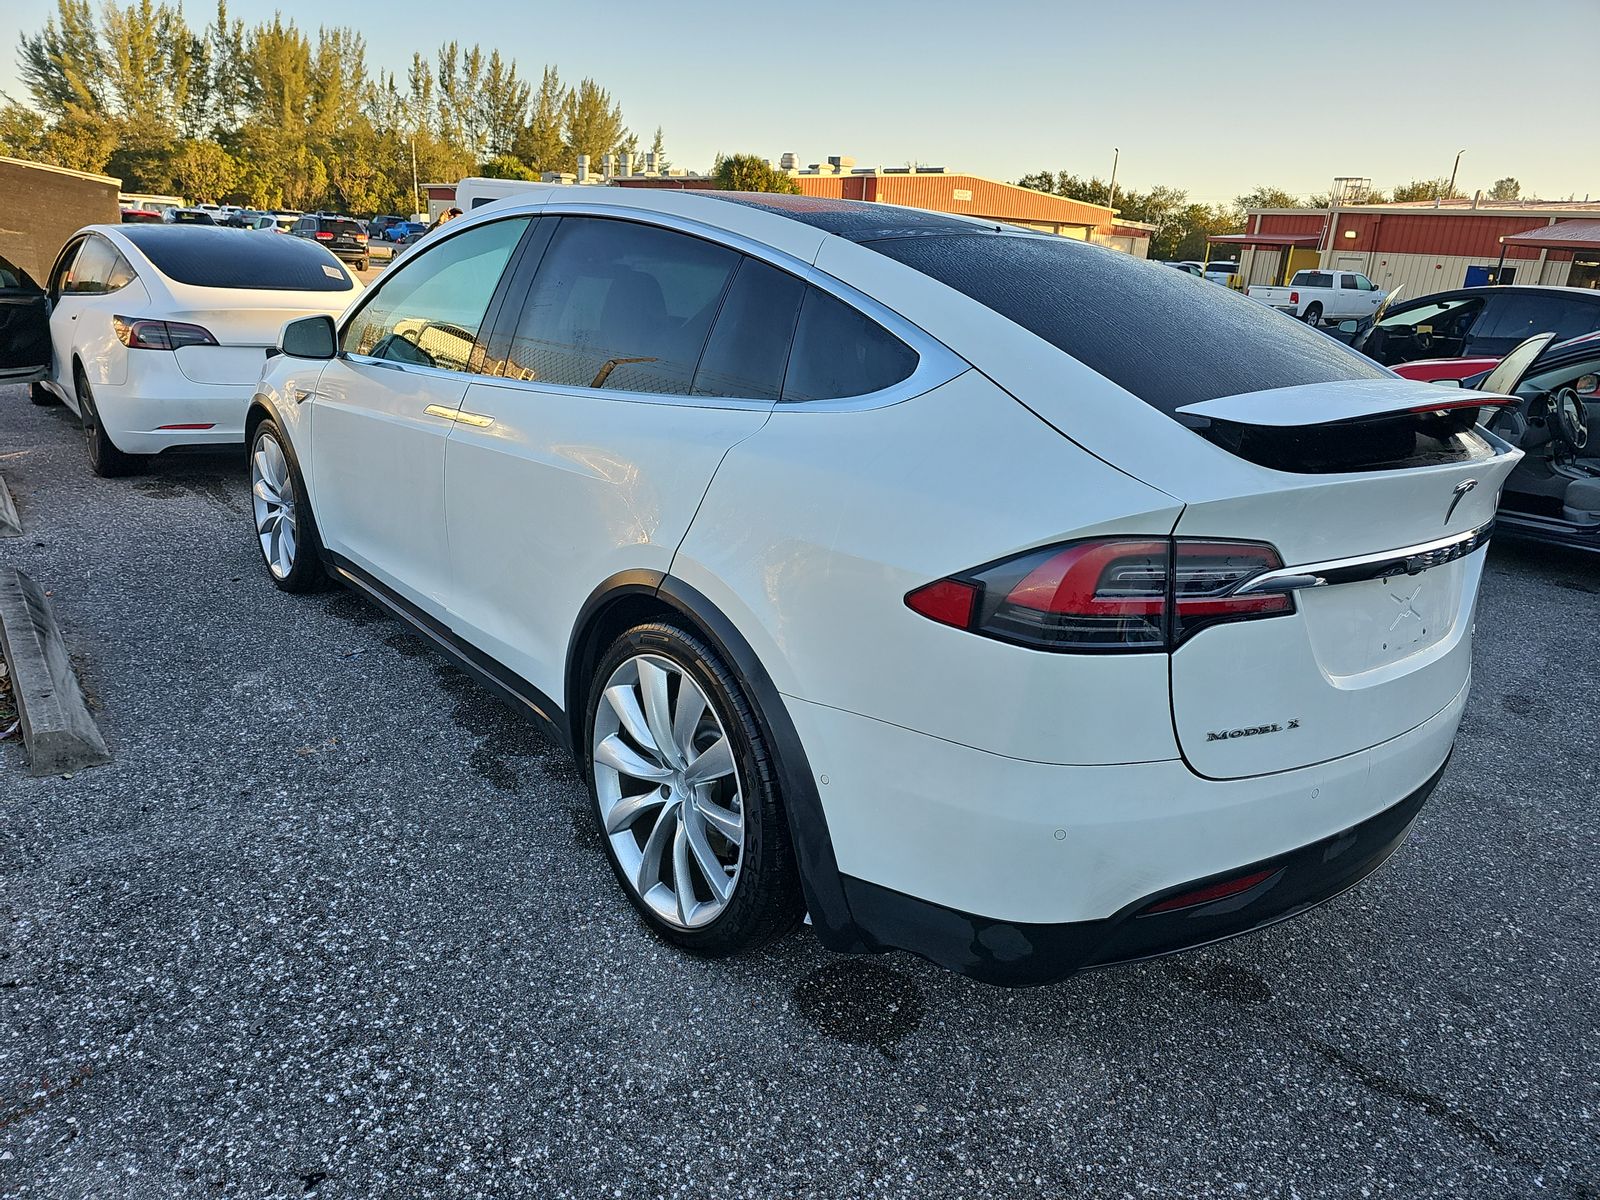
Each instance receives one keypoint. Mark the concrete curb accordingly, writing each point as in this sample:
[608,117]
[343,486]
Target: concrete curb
[10,523]
[56,726]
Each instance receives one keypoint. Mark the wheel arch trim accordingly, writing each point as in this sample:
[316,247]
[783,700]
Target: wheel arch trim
[808,825]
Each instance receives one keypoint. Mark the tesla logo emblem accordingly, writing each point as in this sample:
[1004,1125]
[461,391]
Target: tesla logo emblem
[1462,488]
[1408,607]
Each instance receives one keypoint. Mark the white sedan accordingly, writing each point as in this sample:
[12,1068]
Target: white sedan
[157,333]
[983,593]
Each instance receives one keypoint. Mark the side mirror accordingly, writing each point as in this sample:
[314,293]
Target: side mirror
[1349,326]
[309,337]
[1455,383]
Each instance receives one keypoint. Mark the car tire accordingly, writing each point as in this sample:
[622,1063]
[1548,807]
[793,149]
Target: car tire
[105,460]
[361,264]
[705,858]
[1313,315]
[286,530]
[41,395]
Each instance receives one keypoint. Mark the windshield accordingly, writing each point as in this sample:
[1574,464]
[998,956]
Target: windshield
[1433,311]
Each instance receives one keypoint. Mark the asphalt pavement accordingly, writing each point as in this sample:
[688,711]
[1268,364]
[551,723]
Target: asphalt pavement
[334,922]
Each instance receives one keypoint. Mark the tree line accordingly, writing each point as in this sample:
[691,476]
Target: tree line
[1182,226]
[271,116]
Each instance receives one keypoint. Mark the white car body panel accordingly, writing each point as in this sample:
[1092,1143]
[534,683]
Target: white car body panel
[808,531]
[1013,783]
[603,483]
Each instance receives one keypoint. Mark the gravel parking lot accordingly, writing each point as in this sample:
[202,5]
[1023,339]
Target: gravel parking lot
[335,922]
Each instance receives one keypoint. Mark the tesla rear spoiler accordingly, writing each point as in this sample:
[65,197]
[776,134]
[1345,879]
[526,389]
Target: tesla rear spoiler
[1337,403]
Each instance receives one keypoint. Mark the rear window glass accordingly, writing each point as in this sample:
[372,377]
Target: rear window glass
[342,227]
[1141,326]
[1311,279]
[222,258]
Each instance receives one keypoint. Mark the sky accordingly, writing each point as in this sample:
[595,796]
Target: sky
[1215,97]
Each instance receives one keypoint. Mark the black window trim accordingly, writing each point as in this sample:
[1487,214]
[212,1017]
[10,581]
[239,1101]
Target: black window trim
[936,365]
[491,314]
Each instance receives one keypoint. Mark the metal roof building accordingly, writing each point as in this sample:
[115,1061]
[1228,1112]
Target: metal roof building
[1428,247]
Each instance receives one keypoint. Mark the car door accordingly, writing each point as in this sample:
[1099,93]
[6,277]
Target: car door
[385,404]
[587,447]
[25,352]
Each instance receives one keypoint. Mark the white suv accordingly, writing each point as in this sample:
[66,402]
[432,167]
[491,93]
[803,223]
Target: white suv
[986,594]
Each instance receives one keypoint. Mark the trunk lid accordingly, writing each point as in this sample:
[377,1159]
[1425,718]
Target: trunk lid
[1385,574]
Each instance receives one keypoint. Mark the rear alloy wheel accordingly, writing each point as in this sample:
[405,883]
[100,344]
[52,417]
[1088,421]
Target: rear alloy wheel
[104,458]
[284,529]
[1313,315]
[684,790]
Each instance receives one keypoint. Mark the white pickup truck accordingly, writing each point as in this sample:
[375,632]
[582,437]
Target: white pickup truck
[1318,296]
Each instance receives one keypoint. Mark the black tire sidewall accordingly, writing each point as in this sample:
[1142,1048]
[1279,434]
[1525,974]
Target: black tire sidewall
[105,459]
[766,901]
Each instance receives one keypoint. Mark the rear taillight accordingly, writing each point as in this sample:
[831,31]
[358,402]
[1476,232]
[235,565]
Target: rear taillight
[1294,297]
[136,333]
[1108,595]
[323,235]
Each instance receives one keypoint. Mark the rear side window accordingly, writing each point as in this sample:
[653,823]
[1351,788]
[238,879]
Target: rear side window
[220,258]
[620,305]
[749,346]
[840,352]
[1142,327]
[98,269]
[1515,317]
[429,311]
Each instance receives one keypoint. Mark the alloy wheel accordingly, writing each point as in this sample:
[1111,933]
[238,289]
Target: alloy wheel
[272,495]
[669,793]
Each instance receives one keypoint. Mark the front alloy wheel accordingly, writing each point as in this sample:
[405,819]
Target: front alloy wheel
[669,794]
[272,494]
[285,529]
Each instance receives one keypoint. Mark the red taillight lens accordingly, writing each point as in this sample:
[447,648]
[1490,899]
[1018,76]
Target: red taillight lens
[1117,595]
[323,235]
[136,333]
[1294,297]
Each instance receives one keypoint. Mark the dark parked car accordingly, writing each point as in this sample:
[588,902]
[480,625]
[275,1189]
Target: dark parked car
[342,235]
[1553,494]
[141,216]
[1477,321]
[192,216]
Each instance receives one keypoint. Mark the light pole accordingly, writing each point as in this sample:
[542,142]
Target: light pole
[416,194]
[1452,189]
[1116,155]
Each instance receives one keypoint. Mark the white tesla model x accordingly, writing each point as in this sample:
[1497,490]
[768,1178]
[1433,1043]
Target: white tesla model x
[157,333]
[984,593]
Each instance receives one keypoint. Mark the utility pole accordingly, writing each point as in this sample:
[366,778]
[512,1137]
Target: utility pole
[1116,156]
[1452,189]
[416,192]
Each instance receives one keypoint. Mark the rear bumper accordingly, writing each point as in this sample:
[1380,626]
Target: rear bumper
[1023,955]
[137,415]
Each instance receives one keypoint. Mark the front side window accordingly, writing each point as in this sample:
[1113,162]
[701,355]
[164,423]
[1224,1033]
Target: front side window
[1435,316]
[840,352]
[619,305]
[428,313]
[1365,284]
